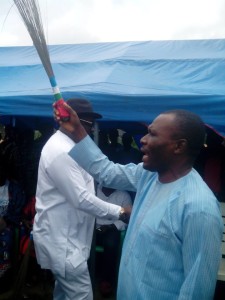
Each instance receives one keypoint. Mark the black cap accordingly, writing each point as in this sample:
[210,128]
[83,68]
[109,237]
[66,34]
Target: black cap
[83,108]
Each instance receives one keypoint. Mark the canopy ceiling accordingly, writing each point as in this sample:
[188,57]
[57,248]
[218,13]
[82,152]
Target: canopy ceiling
[125,81]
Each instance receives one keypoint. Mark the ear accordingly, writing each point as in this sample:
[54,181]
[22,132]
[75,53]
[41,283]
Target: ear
[181,146]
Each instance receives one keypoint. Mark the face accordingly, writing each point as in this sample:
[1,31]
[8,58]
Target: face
[158,146]
[88,124]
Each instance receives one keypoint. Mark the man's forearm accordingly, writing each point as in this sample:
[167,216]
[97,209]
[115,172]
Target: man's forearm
[77,134]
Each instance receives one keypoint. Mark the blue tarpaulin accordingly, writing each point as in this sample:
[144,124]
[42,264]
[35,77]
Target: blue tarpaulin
[125,81]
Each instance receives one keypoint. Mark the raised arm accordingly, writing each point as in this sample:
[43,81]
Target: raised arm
[72,127]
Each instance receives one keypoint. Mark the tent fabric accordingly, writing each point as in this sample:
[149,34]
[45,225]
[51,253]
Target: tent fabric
[125,81]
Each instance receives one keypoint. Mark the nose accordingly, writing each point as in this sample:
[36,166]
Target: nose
[143,140]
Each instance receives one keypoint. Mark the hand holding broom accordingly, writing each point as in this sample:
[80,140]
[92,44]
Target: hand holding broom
[30,13]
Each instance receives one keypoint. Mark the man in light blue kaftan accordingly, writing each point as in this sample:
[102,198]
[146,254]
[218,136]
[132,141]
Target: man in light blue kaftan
[172,246]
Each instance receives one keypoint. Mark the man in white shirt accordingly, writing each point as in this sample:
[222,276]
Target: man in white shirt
[66,207]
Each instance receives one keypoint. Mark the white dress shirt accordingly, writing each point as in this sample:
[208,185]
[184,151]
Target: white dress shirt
[121,198]
[66,207]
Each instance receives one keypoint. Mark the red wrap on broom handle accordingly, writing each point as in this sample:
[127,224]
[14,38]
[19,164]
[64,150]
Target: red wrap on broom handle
[63,113]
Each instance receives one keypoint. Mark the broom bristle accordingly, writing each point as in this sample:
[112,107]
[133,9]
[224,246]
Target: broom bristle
[30,13]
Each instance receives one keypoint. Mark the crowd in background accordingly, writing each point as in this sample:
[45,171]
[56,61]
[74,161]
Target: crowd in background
[19,157]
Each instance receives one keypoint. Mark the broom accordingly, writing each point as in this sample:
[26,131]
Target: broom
[30,13]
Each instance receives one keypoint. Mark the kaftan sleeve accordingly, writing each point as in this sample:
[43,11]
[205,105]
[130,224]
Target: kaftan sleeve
[107,173]
[125,200]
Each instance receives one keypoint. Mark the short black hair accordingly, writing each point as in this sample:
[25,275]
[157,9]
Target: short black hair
[190,127]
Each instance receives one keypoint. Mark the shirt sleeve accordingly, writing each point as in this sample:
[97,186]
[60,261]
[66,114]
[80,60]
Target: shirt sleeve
[201,256]
[125,201]
[72,182]
[90,157]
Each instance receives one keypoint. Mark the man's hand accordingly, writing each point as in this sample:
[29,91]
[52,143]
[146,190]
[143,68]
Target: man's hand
[125,214]
[72,127]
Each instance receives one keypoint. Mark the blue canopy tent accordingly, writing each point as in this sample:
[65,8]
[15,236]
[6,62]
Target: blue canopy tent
[125,81]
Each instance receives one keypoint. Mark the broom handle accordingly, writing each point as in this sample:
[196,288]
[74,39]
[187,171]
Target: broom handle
[63,113]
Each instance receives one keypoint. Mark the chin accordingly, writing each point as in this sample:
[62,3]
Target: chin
[146,167]
[149,167]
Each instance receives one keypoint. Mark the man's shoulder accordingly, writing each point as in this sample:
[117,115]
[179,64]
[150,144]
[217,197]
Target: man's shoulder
[58,142]
[197,195]
[58,145]
[196,184]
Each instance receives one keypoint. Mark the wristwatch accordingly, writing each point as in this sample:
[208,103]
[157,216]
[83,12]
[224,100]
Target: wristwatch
[123,216]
